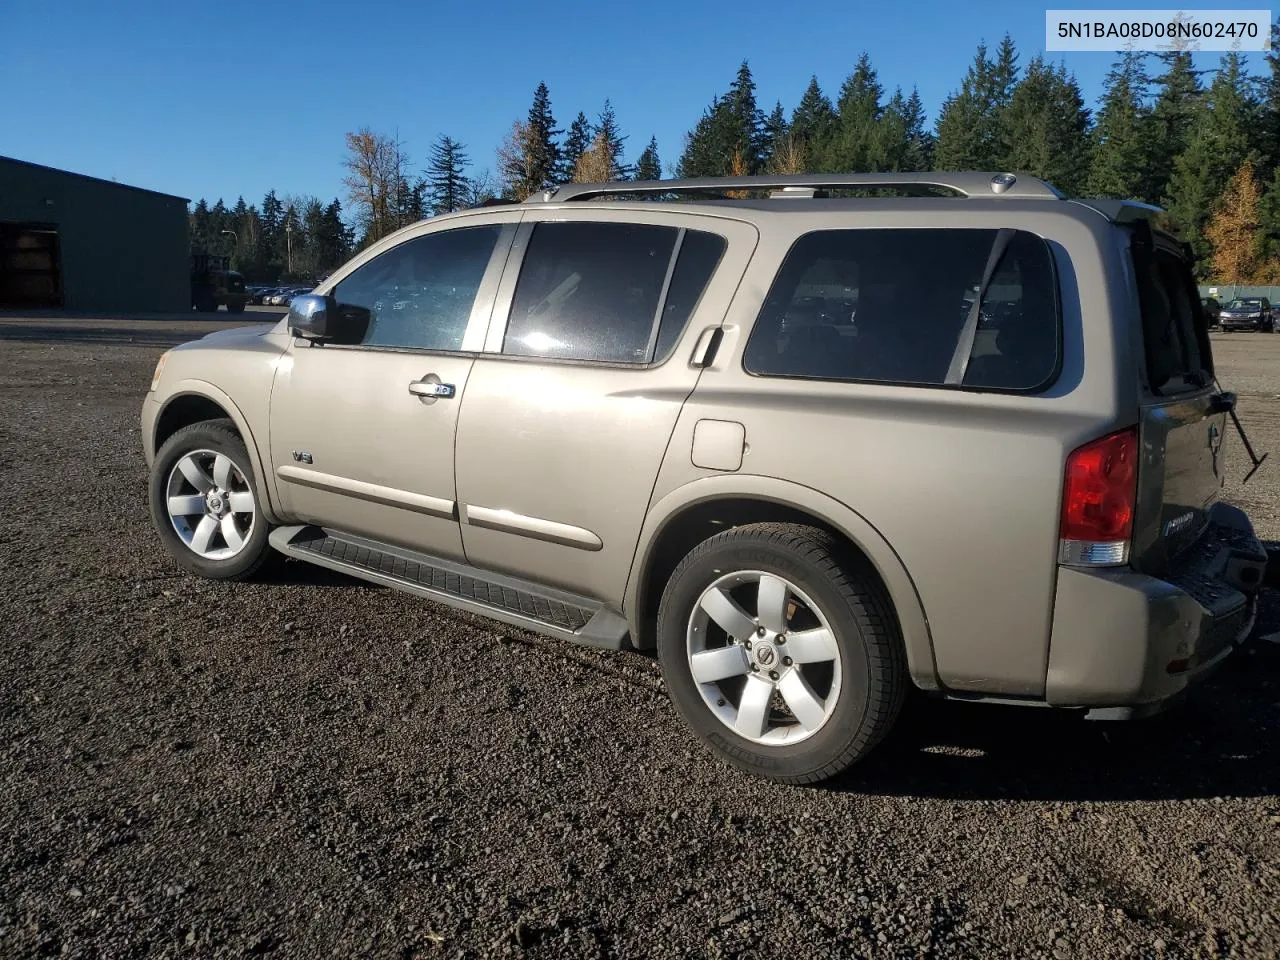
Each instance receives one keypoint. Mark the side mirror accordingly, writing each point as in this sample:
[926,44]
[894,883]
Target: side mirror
[311,317]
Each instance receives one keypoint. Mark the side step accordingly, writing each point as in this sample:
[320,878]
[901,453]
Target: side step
[520,603]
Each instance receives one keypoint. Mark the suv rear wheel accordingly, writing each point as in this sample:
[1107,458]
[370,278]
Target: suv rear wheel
[779,653]
[205,502]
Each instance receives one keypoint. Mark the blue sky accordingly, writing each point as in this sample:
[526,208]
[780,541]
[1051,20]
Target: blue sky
[231,97]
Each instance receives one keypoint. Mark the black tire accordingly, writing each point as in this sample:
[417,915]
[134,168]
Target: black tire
[235,308]
[218,436]
[873,660]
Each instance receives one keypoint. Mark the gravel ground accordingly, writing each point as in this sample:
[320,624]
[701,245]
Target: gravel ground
[310,766]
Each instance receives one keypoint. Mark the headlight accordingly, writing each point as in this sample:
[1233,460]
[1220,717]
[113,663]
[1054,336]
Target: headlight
[155,376]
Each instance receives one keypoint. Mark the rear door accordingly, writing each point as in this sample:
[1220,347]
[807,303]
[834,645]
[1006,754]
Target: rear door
[1183,415]
[588,361]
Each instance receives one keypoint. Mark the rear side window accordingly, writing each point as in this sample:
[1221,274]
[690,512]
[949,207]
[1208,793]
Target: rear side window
[1174,333]
[609,292]
[898,306]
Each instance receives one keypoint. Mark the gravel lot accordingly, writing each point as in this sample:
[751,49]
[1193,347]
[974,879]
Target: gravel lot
[310,766]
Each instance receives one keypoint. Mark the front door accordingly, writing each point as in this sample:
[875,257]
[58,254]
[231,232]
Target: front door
[362,433]
[569,412]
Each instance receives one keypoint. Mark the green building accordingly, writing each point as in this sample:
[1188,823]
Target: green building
[78,243]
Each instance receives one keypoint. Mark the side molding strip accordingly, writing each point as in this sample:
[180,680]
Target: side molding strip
[372,492]
[533,527]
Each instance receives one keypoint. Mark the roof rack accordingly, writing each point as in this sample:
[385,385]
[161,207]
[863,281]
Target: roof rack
[969,184]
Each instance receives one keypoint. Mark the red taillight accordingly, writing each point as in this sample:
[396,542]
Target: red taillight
[1099,493]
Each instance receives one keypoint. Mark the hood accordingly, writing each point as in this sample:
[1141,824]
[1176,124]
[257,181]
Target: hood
[234,335]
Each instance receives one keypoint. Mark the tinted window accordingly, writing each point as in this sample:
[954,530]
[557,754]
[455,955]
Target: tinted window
[419,293]
[892,306]
[1176,345]
[699,256]
[590,291]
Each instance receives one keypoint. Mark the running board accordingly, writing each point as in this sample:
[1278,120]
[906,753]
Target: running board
[517,602]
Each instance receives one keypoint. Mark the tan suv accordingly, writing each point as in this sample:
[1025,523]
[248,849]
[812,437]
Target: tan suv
[812,442]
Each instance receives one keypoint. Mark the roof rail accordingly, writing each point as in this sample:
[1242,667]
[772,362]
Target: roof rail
[970,184]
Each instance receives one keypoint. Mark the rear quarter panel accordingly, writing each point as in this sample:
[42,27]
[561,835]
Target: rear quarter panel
[964,488]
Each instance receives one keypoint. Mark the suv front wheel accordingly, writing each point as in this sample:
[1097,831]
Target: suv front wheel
[780,652]
[205,502]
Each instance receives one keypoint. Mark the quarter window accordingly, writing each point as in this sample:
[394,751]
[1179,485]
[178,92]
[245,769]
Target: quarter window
[609,292]
[897,306]
[419,294]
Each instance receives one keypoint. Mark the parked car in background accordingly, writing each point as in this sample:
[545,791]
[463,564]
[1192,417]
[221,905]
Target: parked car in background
[757,436]
[1248,313]
[1212,310]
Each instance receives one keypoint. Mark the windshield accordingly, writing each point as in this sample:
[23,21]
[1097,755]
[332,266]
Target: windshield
[1245,305]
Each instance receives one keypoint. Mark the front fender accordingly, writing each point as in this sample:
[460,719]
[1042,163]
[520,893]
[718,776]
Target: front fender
[902,590]
[202,388]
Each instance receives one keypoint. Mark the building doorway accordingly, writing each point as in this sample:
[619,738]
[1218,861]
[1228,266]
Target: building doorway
[29,274]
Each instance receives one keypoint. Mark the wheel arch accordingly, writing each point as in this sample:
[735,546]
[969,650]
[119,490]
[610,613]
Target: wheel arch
[700,509]
[194,401]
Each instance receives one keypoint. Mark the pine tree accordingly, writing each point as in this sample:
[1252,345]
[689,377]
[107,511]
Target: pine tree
[1122,136]
[1232,233]
[199,227]
[1004,73]
[702,154]
[920,142]
[246,236]
[893,139]
[1269,223]
[854,146]
[1178,97]
[648,167]
[813,120]
[530,158]
[446,176]
[268,241]
[773,134]
[1268,140]
[333,240]
[610,136]
[576,142]
[1218,146]
[1046,125]
[730,127]
[743,123]
[409,203]
[970,133]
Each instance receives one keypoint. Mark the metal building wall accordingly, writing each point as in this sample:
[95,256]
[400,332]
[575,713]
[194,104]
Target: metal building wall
[121,248]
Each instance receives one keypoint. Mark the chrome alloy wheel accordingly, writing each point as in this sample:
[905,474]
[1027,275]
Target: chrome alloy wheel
[764,658]
[210,504]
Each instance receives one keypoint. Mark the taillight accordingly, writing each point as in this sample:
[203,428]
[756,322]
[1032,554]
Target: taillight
[1099,493]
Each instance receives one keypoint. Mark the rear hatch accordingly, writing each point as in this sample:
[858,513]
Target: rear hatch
[1182,532]
[1183,415]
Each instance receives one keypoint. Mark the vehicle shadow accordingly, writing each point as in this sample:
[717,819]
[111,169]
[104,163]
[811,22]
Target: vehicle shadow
[1223,741]
[282,571]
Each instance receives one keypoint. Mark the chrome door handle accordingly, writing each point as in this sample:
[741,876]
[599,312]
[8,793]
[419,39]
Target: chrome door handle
[423,388]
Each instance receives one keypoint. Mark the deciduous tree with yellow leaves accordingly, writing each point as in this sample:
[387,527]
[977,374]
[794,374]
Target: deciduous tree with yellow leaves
[1234,232]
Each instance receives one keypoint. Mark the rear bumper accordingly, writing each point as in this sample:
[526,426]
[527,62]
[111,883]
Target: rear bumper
[1130,641]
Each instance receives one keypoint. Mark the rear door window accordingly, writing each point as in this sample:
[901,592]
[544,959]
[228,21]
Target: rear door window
[1174,331]
[964,308]
[608,292]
